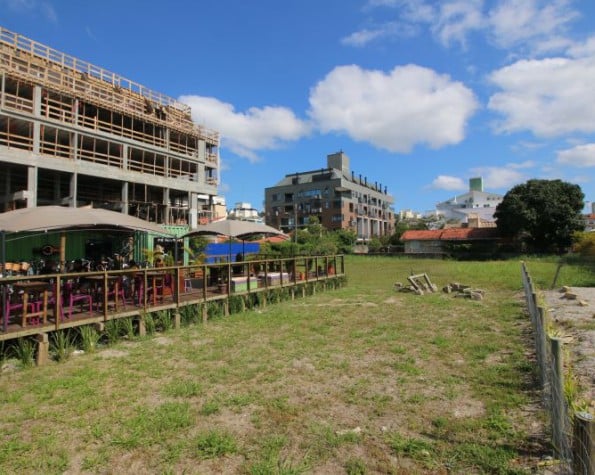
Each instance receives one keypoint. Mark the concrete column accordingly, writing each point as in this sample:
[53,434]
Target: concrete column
[193,209]
[73,189]
[37,101]
[2,89]
[32,187]
[124,197]
[166,208]
[36,123]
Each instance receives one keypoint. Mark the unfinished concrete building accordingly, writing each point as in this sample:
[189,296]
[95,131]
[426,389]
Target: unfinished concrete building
[74,134]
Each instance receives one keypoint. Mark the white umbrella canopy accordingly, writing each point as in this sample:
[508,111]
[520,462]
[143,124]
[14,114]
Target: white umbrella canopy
[51,218]
[235,228]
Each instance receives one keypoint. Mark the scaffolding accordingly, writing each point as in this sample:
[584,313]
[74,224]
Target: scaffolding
[57,106]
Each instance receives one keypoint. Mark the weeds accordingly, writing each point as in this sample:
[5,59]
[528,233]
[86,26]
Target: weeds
[112,331]
[214,444]
[89,338]
[62,345]
[24,351]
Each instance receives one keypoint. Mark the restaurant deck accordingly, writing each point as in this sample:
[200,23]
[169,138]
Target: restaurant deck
[41,304]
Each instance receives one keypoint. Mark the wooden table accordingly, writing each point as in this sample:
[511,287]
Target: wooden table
[157,278]
[105,280]
[39,289]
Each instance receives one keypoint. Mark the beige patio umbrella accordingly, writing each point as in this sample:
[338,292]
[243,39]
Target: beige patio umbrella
[61,218]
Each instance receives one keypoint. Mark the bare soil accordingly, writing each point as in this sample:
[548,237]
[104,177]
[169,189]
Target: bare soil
[575,318]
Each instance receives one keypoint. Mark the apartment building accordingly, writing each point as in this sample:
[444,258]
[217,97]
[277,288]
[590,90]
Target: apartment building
[336,196]
[72,133]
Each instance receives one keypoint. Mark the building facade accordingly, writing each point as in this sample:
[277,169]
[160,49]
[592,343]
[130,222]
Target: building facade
[74,134]
[245,212]
[338,198]
[476,203]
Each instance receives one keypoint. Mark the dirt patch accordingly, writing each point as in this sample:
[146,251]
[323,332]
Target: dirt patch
[112,353]
[575,318]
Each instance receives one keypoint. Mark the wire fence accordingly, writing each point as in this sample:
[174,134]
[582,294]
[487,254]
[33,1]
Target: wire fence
[572,433]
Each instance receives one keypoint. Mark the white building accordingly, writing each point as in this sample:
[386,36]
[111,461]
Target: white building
[245,212]
[475,202]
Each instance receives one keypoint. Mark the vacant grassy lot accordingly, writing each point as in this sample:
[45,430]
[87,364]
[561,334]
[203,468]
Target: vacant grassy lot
[358,380]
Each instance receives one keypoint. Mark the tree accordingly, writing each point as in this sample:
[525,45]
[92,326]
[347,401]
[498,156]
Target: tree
[543,214]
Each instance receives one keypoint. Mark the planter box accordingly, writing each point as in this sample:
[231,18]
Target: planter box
[274,278]
[240,284]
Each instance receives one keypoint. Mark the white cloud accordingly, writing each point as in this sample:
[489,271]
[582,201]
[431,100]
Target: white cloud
[583,49]
[28,7]
[521,165]
[535,26]
[245,133]
[539,23]
[386,30]
[499,177]
[456,19]
[450,183]
[362,37]
[579,156]
[548,97]
[393,111]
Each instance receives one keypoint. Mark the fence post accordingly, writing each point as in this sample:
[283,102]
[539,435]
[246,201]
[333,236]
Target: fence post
[583,452]
[540,343]
[558,402]
[43,346]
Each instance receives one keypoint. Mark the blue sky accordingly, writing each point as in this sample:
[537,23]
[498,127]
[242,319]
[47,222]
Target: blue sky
[421,95]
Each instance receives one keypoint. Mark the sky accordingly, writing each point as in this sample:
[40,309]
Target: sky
[421,95]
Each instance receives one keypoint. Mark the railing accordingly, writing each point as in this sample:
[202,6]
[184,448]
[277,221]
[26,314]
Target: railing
[66,61]
[41,64]
[133,292]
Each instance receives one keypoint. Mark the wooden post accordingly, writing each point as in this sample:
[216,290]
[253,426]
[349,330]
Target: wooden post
[43,349]
[558,409]
[142,326]
[205,313]
[583,452]
[584,444]
[177,319]
[540,344]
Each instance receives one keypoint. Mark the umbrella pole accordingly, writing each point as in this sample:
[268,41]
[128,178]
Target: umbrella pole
[62,251]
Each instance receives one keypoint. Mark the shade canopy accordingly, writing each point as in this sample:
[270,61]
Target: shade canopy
[236,229]
[53,218]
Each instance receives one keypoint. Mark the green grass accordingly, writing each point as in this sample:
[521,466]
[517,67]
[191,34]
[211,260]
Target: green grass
[361,379]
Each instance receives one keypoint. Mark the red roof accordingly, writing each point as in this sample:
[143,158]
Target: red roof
[450,234]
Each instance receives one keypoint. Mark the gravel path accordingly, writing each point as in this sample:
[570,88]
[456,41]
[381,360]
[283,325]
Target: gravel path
[576,320]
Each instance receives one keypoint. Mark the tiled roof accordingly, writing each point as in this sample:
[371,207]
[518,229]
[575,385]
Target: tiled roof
[450,234]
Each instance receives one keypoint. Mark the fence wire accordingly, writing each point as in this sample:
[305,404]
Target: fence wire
[572,435]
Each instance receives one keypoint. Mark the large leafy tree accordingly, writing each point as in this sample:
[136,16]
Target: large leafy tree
[543,214]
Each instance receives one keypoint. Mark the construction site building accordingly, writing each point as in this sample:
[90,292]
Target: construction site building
[74,134]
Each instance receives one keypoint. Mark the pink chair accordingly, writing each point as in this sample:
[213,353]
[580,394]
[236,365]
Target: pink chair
[31,307]
[118,294]
[75,294]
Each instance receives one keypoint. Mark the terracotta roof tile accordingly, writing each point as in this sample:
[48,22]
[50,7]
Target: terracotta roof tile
[450,234]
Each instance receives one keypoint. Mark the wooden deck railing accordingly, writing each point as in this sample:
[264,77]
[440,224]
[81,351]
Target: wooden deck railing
[133,292]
